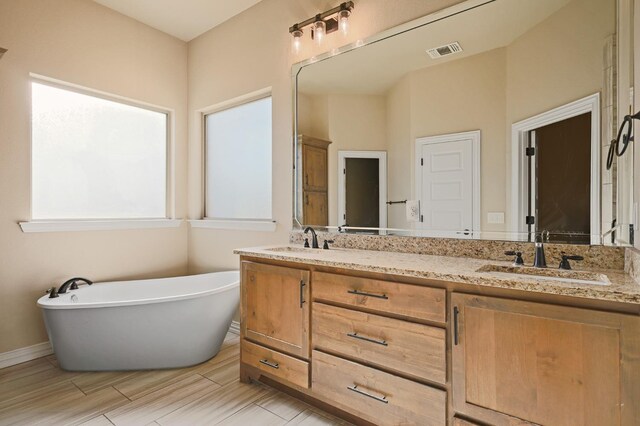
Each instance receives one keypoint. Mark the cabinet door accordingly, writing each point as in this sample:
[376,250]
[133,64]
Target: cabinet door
[315,210]
[545,364]
[315,171]
[274,308]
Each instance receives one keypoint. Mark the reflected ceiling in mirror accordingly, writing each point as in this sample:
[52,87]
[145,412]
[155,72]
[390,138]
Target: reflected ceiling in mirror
[488,123]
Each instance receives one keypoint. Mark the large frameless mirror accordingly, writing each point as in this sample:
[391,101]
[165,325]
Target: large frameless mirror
[492,123]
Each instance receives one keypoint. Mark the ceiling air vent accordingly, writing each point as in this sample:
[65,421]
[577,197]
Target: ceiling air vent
[449,49]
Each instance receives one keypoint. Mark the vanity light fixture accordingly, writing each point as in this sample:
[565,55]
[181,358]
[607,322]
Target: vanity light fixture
[322,24]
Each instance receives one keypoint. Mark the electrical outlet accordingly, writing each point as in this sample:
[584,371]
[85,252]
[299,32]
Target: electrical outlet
[413,210]
[495,217]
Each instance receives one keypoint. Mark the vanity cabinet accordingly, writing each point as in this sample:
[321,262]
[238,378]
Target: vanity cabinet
[545,364]
[377,350]
[274,307]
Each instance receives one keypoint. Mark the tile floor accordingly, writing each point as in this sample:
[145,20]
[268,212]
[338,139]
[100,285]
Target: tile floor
[38,392]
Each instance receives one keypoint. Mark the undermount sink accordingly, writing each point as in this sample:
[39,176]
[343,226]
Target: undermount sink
[578,277]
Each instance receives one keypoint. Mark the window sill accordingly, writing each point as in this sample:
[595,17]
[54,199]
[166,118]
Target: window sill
[236,225]
[96,225]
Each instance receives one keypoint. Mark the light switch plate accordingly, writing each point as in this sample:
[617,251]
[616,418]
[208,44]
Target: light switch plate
[495,217]
[413,210]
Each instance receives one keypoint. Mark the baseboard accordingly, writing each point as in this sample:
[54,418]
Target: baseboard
[25,354]
[235,327]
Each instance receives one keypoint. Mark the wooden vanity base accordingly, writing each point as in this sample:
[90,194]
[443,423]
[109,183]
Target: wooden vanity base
[373,348]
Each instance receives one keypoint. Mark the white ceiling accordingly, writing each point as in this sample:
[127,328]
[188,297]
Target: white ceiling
[184,19]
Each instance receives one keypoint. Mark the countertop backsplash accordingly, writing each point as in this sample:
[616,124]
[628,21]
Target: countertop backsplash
[598,257]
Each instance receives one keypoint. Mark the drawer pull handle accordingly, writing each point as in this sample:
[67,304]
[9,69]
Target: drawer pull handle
[368,339]
[302,284]
[355,389]
[364,293]
[456,336]
[270,364]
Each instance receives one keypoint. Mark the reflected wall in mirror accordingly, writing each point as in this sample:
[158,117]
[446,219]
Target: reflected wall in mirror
[491,123]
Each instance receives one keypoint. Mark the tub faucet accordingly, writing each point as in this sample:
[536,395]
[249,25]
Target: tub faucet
[314,237]
[72,284]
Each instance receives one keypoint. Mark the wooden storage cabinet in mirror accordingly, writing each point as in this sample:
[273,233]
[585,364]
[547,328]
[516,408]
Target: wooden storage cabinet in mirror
[275,307]
[313,180]
[544,364]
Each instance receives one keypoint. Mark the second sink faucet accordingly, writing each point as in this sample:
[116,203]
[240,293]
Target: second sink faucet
[539,260]
[314,237]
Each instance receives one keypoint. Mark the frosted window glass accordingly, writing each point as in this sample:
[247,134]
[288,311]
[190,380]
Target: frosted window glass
[238,161]
[95,158]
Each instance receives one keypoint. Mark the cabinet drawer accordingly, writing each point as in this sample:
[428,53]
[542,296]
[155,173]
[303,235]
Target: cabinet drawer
[376,396]
[408,300]
[414,349]
[276,364]
[457,421]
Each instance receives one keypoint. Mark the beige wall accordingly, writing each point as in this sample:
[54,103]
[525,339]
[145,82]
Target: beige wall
[473,98]
[399,159]
[351,123]
[241,56]
[83,43]
[557,62]
[458,96]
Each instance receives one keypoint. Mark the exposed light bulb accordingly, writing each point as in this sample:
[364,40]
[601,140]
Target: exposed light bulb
[343,21]
[297,40]
[319,30]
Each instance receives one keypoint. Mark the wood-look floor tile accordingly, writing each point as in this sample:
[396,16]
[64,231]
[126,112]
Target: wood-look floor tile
[37,407]
[33,383]
[145,410]
[145,382]
[97,421]
[223,356]
[87,407]
[90,382]
[67,407]
[253,415]
[25,369]
[283,405]
[311,418]
[216,406]
[53,360]
[225,372]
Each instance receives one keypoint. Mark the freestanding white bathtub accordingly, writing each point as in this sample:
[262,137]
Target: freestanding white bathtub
[145,324]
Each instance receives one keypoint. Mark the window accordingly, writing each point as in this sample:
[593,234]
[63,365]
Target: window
[94,158]
[238,162]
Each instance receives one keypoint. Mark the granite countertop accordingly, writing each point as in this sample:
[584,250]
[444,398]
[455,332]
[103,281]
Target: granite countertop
[621,288]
